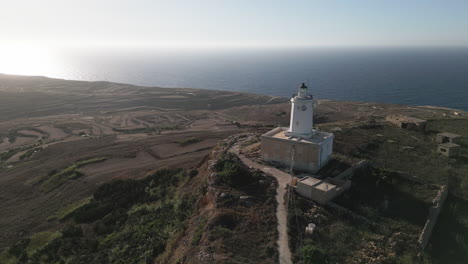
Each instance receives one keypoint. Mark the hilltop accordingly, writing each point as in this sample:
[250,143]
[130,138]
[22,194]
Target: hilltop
[85,162]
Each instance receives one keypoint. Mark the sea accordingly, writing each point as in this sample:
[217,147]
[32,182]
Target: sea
[435,76]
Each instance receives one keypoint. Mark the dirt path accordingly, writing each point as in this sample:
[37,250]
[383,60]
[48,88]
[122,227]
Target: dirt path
[282,210]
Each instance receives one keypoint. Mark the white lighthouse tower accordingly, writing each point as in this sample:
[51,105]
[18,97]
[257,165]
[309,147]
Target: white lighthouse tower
[302,112]
[299,145]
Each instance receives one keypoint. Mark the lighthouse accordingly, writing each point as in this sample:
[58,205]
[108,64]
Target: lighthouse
[298,146]
[302,113]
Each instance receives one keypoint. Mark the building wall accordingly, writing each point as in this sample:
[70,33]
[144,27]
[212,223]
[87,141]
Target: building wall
[407,122]
[413,126]
[449,151]
[302,112]
[317,195]
[306,156]
[321,196]
[326,152]
[444,139]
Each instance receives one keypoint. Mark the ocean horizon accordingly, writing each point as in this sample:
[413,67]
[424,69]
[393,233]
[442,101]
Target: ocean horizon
[412,76]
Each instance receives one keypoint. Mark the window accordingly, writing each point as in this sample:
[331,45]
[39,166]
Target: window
[443,150]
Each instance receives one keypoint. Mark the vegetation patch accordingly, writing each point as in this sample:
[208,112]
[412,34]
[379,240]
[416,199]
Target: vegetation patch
[29,153]
[385,209]
[199,232]
[412,152]
[456,126]
[69,127]
[66,212]
[249,142]
[14,133]
[449,241]
[220,232]
[378,220]
[24,249]
[232,172]
[135,130]
[241,230]
[10,153]
[69,173]
[7,258]
[40,240]
[130,221]
[4,156]
[188,141]
[341,236]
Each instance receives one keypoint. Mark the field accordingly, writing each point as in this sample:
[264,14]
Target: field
[50,128]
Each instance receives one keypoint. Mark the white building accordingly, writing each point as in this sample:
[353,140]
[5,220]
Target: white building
[300,145]
[302,114]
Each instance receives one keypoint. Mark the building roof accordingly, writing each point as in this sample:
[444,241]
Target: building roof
[400,118]
[318,138]
[449,145]
[449,135]
[317,183]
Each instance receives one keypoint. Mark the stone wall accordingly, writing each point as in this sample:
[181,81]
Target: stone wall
[349,173]
[434,212]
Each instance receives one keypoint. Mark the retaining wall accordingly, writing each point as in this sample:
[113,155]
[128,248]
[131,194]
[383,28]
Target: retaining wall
[434,212]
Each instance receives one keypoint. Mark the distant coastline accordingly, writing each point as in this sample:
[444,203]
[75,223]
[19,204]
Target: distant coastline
[273,98]
[410,76]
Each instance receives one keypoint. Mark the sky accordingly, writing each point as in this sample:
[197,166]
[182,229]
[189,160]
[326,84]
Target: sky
[246,23]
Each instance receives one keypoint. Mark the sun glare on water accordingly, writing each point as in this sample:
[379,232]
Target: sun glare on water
[28,61]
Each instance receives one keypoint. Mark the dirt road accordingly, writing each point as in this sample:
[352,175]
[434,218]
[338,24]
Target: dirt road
[281,211]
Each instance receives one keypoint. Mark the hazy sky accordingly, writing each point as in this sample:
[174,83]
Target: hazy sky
[234,22]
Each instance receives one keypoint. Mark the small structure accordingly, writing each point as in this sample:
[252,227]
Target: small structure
[407,122]
[321,191]
[448,138]
[309,230]
[449,149]
[299,146]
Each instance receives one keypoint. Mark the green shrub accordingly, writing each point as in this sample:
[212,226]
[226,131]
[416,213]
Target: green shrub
[6,258]
[66,212]
[193,173]
[234,174]
[199,233]
[40,240]
[69,173]
[18,248]
[91,212]
[8,154]
[29,153]
[72,231]
[313,255]
[220,232]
